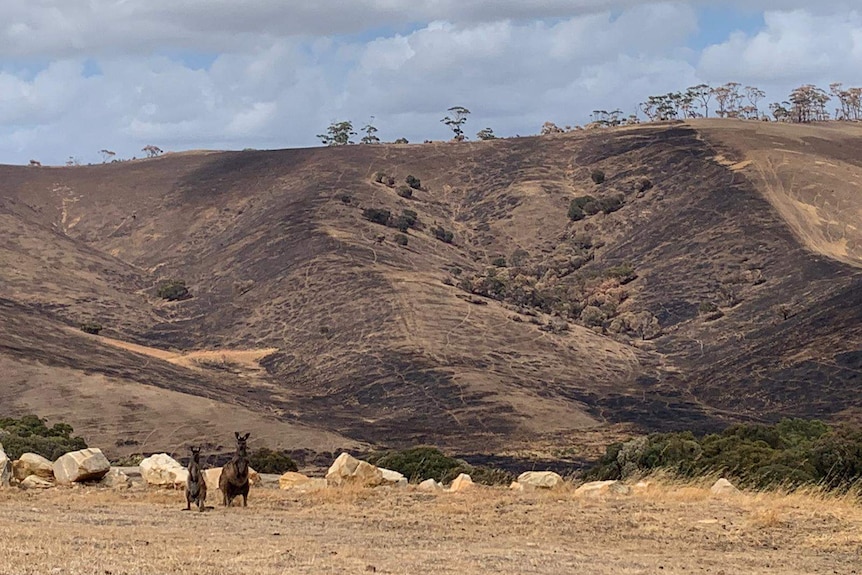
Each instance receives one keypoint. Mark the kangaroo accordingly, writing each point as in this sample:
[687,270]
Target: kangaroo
[234,475]
[196,487]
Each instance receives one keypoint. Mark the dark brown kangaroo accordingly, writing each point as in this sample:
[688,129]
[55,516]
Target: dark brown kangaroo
[234,475]
[196,487]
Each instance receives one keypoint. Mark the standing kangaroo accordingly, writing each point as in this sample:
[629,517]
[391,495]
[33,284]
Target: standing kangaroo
[196,487]
[234,475]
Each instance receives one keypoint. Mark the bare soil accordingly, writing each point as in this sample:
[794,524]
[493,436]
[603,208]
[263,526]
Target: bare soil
[664,529]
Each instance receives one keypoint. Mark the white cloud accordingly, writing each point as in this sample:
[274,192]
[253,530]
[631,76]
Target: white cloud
[267,87]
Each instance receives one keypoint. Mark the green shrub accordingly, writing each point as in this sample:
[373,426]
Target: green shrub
[377,215]
[789,454]
[499,262]
[576,213]
[91,328]
[345,198]
[401,223]
[411,217]
[625,273]
[611,204]
[413,182]
[421,463]
[707,307]
[587,204]
[643,185]
[401,141]
[173,290]
[29,434]
[268,461]
[598,176]
[405,192]
[401,239]
[443,234]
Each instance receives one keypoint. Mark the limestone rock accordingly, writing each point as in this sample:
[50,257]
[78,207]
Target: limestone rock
[723,487]
[540,479]
[430,485]
[602,488]
[292,481]
[347,469]
[84,465]
[5,468]
[461,483]
[164,471]
[515,486]
[35,482]
[115,479]
[393,477]
[32,464]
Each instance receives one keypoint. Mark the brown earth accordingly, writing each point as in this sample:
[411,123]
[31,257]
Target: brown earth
[664,529]
[311,327]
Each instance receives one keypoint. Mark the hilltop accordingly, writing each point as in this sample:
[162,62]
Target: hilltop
[712,276]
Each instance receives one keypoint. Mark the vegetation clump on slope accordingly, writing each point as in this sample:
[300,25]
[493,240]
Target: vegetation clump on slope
[789,454]
[420,463]
[29,434]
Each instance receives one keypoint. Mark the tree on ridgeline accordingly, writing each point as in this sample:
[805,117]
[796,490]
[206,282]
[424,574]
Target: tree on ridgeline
[458,118]
[850,100]
[338,134]
[370,136]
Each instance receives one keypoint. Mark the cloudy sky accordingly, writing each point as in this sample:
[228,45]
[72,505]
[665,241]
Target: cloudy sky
[77,76]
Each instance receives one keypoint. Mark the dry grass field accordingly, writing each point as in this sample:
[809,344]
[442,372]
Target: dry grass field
[666,528]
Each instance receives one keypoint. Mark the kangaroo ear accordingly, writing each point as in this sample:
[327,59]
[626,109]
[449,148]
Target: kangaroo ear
[236,433]
[246,435]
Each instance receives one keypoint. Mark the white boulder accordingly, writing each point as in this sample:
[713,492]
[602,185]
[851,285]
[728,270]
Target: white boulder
[723,487]
[430,485]
[393,477]
[164,471]
[32,464]
[346,469]
[292,481]
[5,468]
[461,483]
[540,480]
[602,488]
[83,465]
[35,482]
[115,479]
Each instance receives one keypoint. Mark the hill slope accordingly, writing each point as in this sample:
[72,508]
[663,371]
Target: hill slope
[725,289]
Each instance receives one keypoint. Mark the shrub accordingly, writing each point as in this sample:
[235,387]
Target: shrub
[643,185]
[268,461]
[587,204]
[345,198]
[593,316]
[91,328]
[413,182]
[420,463]
[377,215]
[598,176]
[499,262]
[575,212]
[443,234]
[625,273]
[401,223]
[707,307]
[378,177]
[401,239]
[405,192]
[401,141]
[411,216]
[173,290]
[29,434]
[611,204]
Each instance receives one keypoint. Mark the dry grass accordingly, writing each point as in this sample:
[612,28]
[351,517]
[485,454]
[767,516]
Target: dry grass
[666,528]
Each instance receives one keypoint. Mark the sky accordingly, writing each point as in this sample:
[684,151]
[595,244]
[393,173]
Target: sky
[80,76]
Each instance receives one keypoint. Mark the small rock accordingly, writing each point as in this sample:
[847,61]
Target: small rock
[163,470]
[515,486]
[115,479]
[540,479]
[723,487]
[300,482]
[347,469]
[602,488]
[35,482]
[5,468]
[461,483]
[393,477]
[84,465]
[430,485]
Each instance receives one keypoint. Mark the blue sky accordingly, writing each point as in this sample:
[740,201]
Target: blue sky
[77,76]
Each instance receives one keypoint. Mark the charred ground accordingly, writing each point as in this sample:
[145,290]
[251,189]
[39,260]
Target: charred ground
[744,250]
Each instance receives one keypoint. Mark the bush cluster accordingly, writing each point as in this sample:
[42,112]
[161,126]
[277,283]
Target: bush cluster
[791,453]
[90,327]
[266,460]
[420,463]
[408,218]
[173,290]
[413,182]
[29,434]
[443,234]
[598,176]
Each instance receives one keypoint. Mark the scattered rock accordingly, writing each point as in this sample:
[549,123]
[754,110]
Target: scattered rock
[35,482]
[292,481]
[5,468]
[723,487]
[84,465]
[163,470]
[430,485]
[602,488]
[393,477]
[540,480]
[347,469]
[461,483]
[32,464]
[515,486]
[115,479]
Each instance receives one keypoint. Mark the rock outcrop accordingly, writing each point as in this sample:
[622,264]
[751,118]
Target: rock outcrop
[723,487]
[164,471]
[346,469]
[431,485]
[32,464]
[602,488]
[391,477]
[35,482]
[461,483]
[540,480]
[292,481]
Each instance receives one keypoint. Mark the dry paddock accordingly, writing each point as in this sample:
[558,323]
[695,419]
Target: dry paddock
[664,529]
